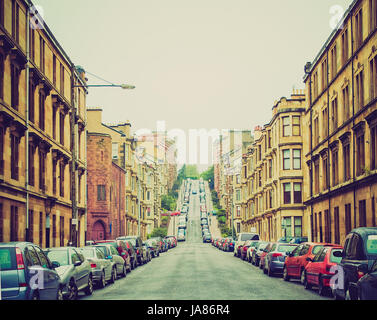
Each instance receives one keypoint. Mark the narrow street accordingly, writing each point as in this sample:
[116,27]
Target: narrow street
[198,271]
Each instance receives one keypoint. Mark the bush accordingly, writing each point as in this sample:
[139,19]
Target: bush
[158,232]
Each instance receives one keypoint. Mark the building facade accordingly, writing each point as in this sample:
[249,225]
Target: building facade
[42,134]
[340,128]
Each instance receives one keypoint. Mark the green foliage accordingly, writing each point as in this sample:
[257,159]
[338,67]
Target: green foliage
[209,176]
[164,221]
[158,232]
[191,171]
[168,202]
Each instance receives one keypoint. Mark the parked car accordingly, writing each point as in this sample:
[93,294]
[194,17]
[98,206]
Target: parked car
[19,263]
[367,284]
[181,235]
[153,247]
[207,238]
[137,243]
[256,254]
[123,251]
[298,240]
[230,245]
[173,240]
[242,237]
[103,270]
[358,257]
[74,271]
[244,248]
[121,266]
[320,269]
[159,243]
[275,258]
[250,250]
[295,262]
[265,251]
[148,252]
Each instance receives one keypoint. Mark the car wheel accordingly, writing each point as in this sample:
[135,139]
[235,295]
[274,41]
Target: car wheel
[285,274]
[59,294]
[35,296]
[321,288]
[124,272]
[102,281]
[72,289]
[89,288]
[306,284]
[113,276]
[302,277]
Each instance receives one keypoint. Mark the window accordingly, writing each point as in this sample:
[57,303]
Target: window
[270,168]
[61,127]
[15,21]
[42,54]
[54,178]
[334,116]
[347,162]
[315,85]
[13,223]
[31,226]
[296,131]
[324,74]
[316,176]
[345,46]
[296,159]
[238,208]
[2,12]
[346,103]
[61,178]
[42,257]
[54,70]
[61,229]
[115,150]
[1,150]
[362,214]
[373,205]
[334,167]
[31,164]
[325,119]
[15,78]
[360,154]
[316,131]
[358,29]
[373,78]
[54,230]
[373,147]
[287,223]
[62,79]
[14,145]
[31,101]
[42,99]
[336,225]
[286,159]
[1,76]
[41,228]
[42,170]
[372,15]
[286,127]
[359,94]
[325,174]
[101,193]
[327,226]
[334,62]
[297,195]
[347,214]
[287,193]
[298,226]
[320,227]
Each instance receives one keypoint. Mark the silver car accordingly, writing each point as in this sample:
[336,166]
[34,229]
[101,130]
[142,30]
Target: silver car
[118,262]
[102,267]
[74,271]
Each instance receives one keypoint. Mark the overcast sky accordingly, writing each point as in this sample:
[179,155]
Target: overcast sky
[195,63]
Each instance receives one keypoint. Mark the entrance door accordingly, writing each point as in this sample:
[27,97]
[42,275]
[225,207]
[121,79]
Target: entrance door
[98,231]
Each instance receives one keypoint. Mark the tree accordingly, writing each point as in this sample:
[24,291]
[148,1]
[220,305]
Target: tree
[209,175]
[158,232]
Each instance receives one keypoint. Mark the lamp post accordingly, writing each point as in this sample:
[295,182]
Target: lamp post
[79,82]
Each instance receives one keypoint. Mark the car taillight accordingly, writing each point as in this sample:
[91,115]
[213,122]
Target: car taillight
[19,259]
[275,255]
[137,251]
[93,265]
[244,248]
[360,274]
[23,284]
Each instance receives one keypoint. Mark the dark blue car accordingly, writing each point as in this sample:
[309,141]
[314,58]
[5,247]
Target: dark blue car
[27,273]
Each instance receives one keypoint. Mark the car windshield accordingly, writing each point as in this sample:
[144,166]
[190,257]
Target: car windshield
[247,236]
[372,244]
[102,249]
[262,246]
[7,259]
[333,258]
[316,249]
[132,241]
[88,253]
[286,248]
[60,256]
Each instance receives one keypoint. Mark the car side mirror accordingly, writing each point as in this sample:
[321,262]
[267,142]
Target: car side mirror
[77,264]
[339,254]
[123,254]
[55,264]
[309,259]
[109,257]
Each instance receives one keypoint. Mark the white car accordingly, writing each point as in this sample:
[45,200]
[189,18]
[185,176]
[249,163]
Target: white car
[242,238]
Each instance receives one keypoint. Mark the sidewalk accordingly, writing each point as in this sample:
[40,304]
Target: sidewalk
[213,225]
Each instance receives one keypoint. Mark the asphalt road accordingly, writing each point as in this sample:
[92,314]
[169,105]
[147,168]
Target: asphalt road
[198,271]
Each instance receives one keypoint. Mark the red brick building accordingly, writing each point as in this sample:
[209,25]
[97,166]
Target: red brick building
[106,189]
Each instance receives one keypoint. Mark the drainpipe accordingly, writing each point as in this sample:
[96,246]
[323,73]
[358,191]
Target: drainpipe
[27,227]
[328,147]
[74,226]
[353,124]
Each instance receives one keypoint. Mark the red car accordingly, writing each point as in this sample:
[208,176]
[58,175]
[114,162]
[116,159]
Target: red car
[263,255]
[319,270]
[121,247]
[243,249]
[295,262]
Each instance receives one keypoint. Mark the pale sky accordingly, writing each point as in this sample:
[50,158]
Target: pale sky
[195,63]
